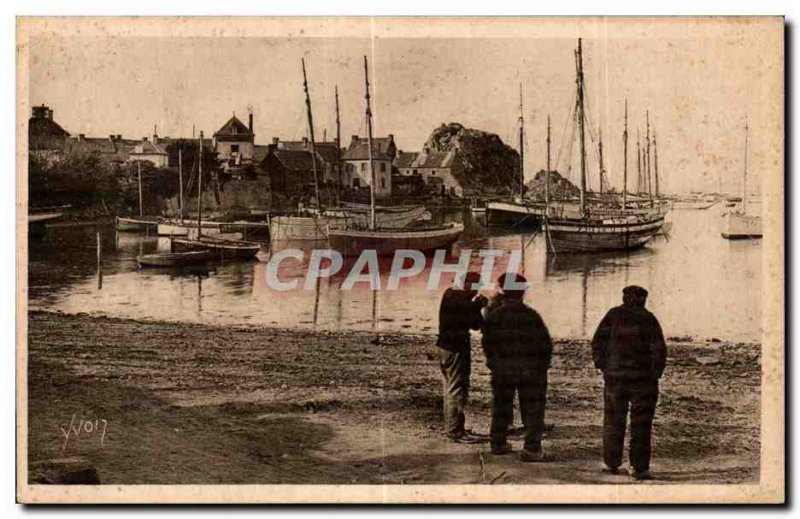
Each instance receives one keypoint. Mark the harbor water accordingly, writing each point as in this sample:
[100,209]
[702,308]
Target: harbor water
[700,284]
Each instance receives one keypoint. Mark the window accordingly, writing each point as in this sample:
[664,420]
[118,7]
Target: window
[383,167]
[355,182]
[234,148]
[383,183]
[363,166]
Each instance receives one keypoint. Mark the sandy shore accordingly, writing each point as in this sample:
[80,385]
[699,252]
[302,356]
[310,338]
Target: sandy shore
[173,403]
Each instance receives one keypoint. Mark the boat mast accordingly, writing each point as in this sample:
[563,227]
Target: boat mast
[521,147]
[180,180]
[338,145]
[625,160]
[369,152]
[655,160]
[547,178]
[638,163]
[311,134]
[744,180]
[600,150]
[580,115]
[647,159]
[200,187]
[139,174]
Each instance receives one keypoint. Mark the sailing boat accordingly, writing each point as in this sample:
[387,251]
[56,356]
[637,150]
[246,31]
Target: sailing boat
[353,239]
[313,223]
[516,211]
[220,247]
[599,227]
[739,224]
[140,224]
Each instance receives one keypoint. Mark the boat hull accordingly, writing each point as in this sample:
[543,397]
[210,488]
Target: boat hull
[175,259]
[519,215]
[135,224]
[220,249]
[739,226]
[354,242]
[290,228]
[576,236]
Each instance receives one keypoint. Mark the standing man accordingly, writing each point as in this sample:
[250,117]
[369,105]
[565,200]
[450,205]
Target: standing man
[629,348]
[518,352]
[459,313]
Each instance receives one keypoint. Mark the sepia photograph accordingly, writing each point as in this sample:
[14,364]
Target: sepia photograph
[400,259]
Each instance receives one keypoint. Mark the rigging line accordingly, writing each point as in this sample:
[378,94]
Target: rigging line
[564,133]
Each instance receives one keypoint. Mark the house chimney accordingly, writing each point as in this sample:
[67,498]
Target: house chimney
[119,136]
[355,138]
[305,142]
[250,121]
[81,136]
[391,137]
[275,141]
[144,139]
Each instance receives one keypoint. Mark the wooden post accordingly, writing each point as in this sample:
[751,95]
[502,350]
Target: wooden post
[139,170]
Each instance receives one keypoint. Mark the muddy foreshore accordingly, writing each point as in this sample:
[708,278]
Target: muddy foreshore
[188,403]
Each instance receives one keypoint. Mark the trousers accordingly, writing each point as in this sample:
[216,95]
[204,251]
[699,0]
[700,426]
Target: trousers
[532,393]
[639,395]
[456,367]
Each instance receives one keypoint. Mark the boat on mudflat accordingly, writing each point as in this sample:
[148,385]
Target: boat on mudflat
[174,259]
[351,242]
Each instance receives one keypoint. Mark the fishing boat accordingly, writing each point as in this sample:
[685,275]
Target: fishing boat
[352,240]
[219,246]
[601,227]
[142,223]
[249,230]
[174,259]
[739,225]
[518,212]
[312,223]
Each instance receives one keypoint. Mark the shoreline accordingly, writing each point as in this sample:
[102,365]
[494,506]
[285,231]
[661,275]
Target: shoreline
[677,339]
[194,403]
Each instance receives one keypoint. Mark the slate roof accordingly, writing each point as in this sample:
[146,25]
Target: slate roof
[405,159]
[234,127]
[296,160]
[148,148]
[359,149]
[260,152]
[327,151]
[434,159]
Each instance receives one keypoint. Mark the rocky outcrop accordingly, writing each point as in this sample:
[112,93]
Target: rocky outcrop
[560,187]
[490,165]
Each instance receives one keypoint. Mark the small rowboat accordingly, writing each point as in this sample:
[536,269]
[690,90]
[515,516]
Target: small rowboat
[175,259]
[219,248]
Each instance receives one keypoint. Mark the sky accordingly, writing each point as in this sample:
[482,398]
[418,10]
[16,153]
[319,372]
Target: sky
[700,80]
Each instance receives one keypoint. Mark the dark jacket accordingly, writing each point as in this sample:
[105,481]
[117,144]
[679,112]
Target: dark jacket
[629,343]
[458,314]
[516,341]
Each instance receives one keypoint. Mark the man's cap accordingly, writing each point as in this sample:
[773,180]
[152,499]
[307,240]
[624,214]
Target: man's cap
[519,279]
[634,290]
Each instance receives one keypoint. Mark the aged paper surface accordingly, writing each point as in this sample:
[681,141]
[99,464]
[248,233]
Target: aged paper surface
[213,380]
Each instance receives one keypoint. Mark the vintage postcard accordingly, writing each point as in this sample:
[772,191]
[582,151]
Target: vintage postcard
[400,260]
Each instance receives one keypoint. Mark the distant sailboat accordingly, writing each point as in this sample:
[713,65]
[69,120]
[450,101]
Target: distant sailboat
[599,227]
[352,240]
[738,223]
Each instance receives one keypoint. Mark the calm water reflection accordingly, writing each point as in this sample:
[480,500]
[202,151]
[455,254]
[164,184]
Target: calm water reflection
[700,284]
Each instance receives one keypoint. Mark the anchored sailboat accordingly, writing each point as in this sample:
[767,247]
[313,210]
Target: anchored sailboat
[738,223]
[601,226]
[352,239]
[313,223]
